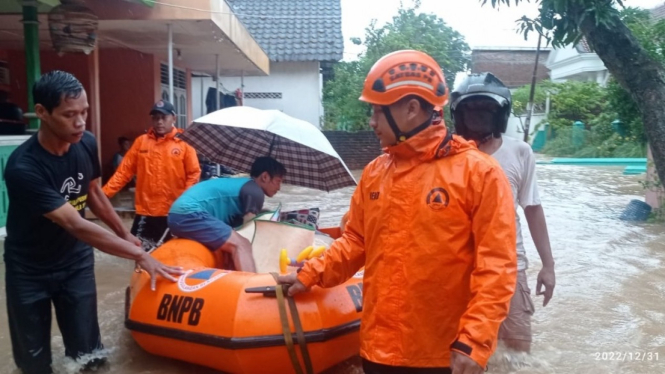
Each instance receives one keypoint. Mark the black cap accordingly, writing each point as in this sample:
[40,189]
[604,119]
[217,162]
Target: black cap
[164,107]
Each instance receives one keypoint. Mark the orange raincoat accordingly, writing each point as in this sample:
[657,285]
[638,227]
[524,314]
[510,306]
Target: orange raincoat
[433,223]
[164,167]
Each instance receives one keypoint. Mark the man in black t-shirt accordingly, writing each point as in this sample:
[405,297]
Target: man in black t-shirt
[51,178]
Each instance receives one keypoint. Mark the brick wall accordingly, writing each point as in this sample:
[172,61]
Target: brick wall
[357,149]
[513,67]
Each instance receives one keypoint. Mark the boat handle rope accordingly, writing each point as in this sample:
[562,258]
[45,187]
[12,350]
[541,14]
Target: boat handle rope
[282,300]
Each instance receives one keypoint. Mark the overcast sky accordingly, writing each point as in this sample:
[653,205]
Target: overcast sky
[481,26]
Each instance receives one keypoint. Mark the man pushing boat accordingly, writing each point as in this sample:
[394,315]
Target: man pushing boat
[51,179]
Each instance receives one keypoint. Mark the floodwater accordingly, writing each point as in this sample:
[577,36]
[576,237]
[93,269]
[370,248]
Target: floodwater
[607,314]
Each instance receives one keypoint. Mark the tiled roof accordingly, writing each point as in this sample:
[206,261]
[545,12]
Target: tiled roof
[583,46]
[294,30]
[513,67]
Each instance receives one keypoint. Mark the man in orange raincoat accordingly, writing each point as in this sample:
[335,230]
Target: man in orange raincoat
[164,166]
[433,223]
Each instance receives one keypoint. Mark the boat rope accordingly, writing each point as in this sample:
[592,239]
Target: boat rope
[282,300]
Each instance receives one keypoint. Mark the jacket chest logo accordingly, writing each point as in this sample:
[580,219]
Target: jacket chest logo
[374,196]
[176,151]
[438,199]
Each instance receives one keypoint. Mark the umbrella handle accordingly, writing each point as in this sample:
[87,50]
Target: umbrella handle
[272,144]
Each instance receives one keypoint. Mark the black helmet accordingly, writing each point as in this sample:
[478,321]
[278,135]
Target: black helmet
[481,86]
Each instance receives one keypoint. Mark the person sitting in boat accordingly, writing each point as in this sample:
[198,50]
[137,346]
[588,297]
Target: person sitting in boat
[208,211]
[433,223]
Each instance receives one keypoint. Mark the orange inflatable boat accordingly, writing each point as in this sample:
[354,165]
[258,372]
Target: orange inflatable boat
[233,321]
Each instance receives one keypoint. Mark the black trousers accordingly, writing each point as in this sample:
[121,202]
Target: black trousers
[150,230]
[370,367]
[29,296]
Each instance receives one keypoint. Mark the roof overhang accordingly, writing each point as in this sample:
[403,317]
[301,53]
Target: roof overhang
[201,30]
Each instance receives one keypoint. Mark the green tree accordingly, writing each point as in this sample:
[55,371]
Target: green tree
[521,96]
[636,70]
[569,101]
[521,99]
[576,101]
[580,101]
[343,110]
[409,29]
[587,102]
[651,36]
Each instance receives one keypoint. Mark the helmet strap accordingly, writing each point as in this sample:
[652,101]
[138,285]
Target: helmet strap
[401,136]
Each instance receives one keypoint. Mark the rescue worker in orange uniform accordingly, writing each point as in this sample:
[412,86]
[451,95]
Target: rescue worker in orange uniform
[342,223]
[433,223]
[164,166]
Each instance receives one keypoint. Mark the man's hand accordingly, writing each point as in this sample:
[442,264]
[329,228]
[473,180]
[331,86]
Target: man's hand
[546,278]
[295,286]
[154,267]
[132,239]
[462,364]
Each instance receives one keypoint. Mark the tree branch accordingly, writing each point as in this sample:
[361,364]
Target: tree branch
[635,71]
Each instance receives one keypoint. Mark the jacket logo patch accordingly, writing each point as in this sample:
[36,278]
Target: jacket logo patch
[144,151]
[176,151]
[438,199]
[374,196]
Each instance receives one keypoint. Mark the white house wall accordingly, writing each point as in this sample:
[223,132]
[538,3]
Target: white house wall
[578,67]
[569,64]
[299,84]
[561,54]
[514,129]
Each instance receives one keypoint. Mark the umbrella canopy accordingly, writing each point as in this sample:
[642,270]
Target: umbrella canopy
[236,136]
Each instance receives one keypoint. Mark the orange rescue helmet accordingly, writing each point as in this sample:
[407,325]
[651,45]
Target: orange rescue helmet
[403,73]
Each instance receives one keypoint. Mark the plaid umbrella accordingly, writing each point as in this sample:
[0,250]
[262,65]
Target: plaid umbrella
[236,136]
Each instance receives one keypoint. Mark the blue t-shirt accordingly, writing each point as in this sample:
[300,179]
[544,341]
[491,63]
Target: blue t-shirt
[227,199]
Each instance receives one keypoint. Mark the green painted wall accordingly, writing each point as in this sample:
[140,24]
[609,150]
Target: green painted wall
[7,145]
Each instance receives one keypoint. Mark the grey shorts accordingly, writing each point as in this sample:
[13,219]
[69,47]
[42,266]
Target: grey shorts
[517,326]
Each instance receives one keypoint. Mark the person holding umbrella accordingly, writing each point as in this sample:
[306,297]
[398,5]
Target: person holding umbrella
[208,211]
[433,224]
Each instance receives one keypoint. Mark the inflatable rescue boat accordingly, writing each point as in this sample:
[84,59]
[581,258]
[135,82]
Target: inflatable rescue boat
[239,322]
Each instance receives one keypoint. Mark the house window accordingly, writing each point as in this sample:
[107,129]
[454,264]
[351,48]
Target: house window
[179,92]
[263,95]
[179,77]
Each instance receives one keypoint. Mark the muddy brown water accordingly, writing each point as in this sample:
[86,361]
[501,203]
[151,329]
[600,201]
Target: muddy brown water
[607,314]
